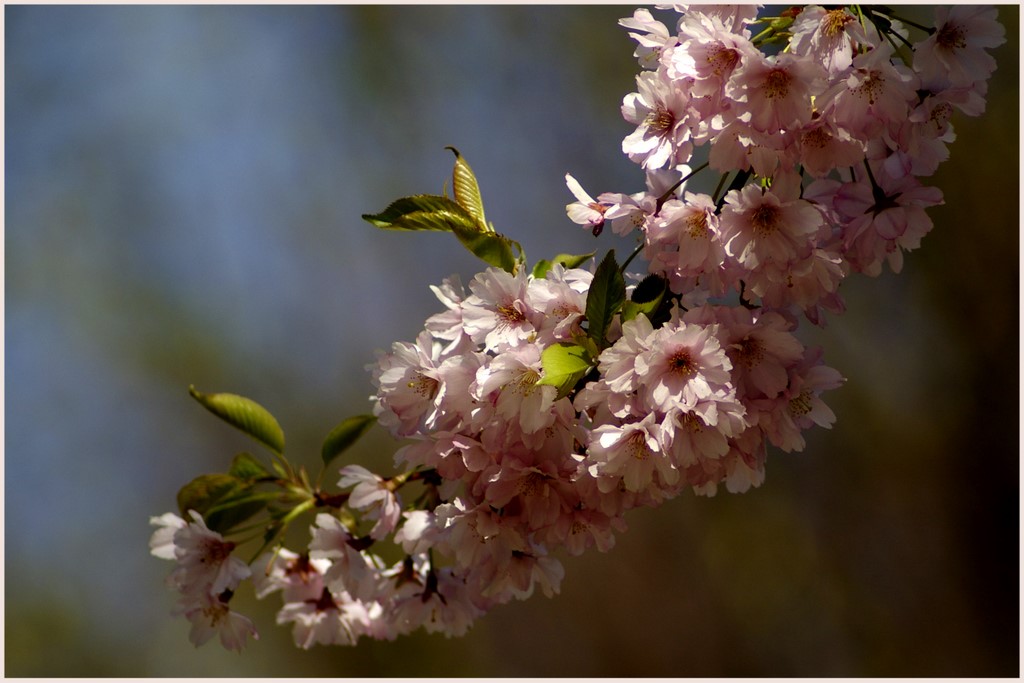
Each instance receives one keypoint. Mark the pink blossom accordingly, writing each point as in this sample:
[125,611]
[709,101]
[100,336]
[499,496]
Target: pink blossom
[418,532]
[586,210]
[827,36]
[760,345]
[733,18]
[372,492]
[954,55]
[684,366]
[205,563]
[631,453]
[534,493]
[825,146]
[509,380]
[874,93]
[447,325]
[210,616]
[562,298]
[885,219]
[580,529]
[708,54]
[769,226]
[350,571]
[497,315]
[785,418]
[329,619]
[693,439]
[652,37]
[297,576]
[685,239]
[444,605]
[738,146]
[662,137]
[776,91]
[412,388]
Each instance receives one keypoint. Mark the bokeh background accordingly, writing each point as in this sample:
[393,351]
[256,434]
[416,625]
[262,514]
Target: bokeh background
[183,192]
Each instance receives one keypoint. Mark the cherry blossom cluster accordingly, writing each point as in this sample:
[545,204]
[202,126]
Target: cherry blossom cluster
[540,406]
[834,131]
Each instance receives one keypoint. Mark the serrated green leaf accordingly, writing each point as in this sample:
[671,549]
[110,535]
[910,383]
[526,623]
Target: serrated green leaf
[466,190]
[247,468]
[423,212]
[564,365]
[245,414]
[606,296]
[490,247]
[344,435]
[646,298]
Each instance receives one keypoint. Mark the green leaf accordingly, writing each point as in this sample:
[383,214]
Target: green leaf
[429,212]
[344,435]
[646,298]
[606,296]
[490,247]
[540,269]
[223,500]
[423,212]
[467,192]
[564,364]
[248,468]
[246,414]
[203,492]
[566,260]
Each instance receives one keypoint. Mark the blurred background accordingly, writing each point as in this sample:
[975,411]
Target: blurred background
[183,200]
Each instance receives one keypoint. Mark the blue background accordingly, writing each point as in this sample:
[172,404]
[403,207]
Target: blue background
[184,187]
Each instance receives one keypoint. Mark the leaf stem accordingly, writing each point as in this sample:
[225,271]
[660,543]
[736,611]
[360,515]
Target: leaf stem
[670,191]
[632,256]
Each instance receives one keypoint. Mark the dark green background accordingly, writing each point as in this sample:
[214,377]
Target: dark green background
[183,192]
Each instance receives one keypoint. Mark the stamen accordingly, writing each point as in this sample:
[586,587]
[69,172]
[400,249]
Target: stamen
[765,220]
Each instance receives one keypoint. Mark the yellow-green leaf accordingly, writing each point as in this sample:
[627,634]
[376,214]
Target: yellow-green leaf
[467,192]
[245,414]
[344,435]
[564,365]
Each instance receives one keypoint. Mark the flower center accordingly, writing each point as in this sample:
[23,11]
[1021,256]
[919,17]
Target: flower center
[951,37]
[749,353]
[424,386]
[660,122]
[300,567]
[681,363]
[722,59]
[871,87]
[800,405]
[531,484]
[510,314]
[691,423]
[776,84]
[834,21]
[525,383]
[636,446]
[765,220]
[817,138]
[697,226]
[940,116]
[325,602]
[215,552]
[577,527]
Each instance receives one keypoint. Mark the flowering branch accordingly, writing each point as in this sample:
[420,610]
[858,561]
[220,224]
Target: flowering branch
[544,403]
